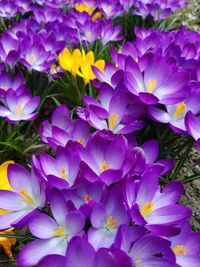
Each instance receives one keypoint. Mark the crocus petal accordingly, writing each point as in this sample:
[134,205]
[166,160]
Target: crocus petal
[53,261]
[42,226]
[58,206]
[40,248]
[169,214]
[19,177]
[80,253]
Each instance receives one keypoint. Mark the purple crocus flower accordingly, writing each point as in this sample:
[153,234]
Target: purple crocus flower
[110,33]
[79,253]
[62,171]
[114,111]
[149,152]
[89,31]
[143,248]
[186,247]
[62,129]
[54,233]
[19,107]
[192,124]
[110,8]
[79,248]
[53,3]
[165,85]
[175,114]
[26,197]
[9,48]
[105,76]
[153,208]
[8,9]
[105,160]
[34,56]
[84,194]
[106,218]
[7,82]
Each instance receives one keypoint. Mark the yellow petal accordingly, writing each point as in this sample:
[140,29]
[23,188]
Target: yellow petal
[90,57]
[96,16]
[100,64]
[7,243]
[4,183]
[65,59]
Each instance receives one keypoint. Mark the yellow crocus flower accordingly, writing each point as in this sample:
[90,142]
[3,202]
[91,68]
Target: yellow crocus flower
[70,61]
[5,242]
[84,7]
[79,63]
[4,183]
[88,61]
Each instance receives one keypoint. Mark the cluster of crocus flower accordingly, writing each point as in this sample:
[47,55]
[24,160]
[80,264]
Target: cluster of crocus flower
[105,200]
[132,87]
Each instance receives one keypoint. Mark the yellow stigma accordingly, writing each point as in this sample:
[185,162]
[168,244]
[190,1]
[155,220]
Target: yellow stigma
[138,261]
[5,88]
[111,223]
[179,250]
[147,208]
[109,8]
[63,173]
[87,198]
[18,110]
[104,167]
[136,60]
[31,59]
[180,109]
[81,141]
[59,232]
[88,36]
[53,68]
[151,86]
[113,121]
[26,197]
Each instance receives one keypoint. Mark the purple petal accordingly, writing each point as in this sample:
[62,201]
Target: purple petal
[40,248]
[80,253]
[53,261]
[42,226]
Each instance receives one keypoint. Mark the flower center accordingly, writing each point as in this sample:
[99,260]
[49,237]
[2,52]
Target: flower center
[5,88]
[180,109]
[138,261]
[179,250]
[31,59]
[59,232]
[26,197]
[104,167]
[81,141]
[109,8]
[113,121]
[63,173]
[88,36]
[147,208]
[111,223]
[151,86]
[18,110]
[87,198]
